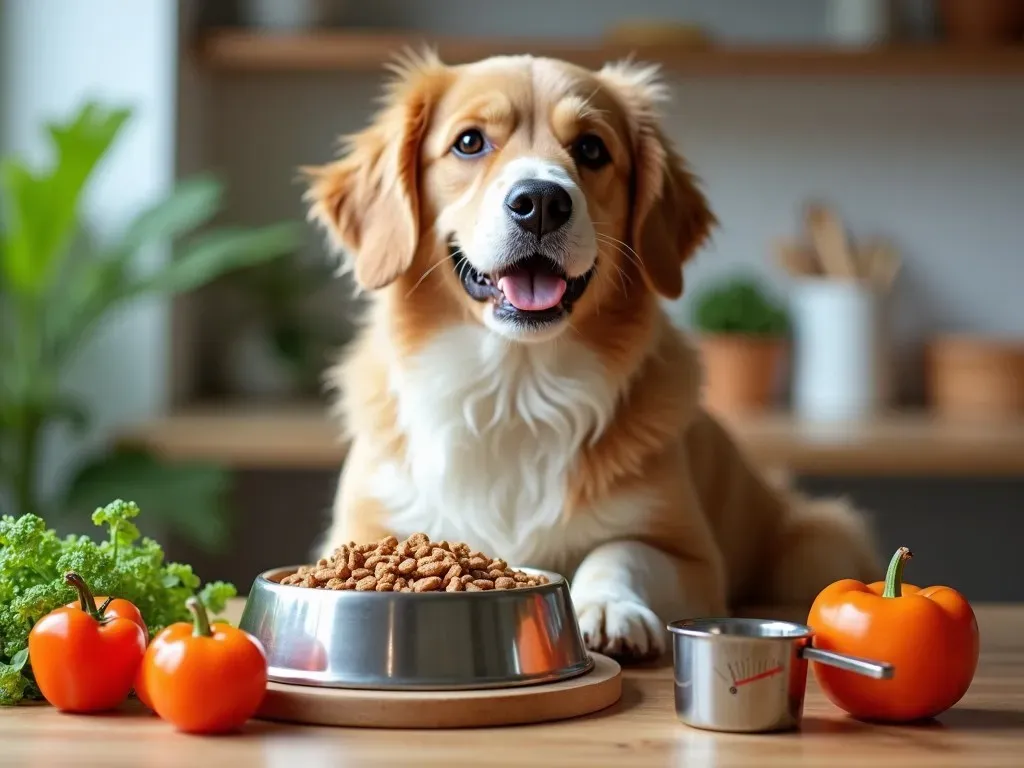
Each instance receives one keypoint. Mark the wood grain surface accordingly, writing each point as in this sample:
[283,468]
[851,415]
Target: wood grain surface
[897,444]
[600,687]
[986,730]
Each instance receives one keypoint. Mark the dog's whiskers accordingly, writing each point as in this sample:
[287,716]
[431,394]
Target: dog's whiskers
[628,252]
[439,262]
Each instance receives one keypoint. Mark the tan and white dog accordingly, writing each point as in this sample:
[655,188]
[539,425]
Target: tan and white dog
[518,385]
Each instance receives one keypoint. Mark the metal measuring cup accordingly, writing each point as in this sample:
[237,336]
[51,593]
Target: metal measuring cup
[749,675]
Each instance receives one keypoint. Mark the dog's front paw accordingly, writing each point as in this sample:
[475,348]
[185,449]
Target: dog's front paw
[624,629]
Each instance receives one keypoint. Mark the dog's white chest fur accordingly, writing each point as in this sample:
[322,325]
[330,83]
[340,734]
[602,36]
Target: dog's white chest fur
[492,429]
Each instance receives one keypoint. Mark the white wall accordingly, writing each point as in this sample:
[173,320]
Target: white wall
[54,55]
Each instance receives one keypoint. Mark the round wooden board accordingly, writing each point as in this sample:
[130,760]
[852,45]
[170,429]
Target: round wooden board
[597,689]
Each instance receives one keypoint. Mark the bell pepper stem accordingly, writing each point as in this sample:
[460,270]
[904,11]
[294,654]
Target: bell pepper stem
[200,621]
[85,599]
[894,575]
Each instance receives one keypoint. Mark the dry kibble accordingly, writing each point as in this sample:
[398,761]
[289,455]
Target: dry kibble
[453,575]
[413,565]
[427,585]
[432,569]
[366,584]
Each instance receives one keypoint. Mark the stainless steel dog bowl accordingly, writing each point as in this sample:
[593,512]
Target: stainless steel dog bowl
[410,641]
[749,675]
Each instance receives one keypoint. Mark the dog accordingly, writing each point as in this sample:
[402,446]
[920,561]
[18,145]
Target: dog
[516,224]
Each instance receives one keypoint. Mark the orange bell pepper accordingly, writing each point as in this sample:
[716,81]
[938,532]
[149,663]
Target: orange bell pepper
[115,606]
[929,635]
[84,658]
[204,679]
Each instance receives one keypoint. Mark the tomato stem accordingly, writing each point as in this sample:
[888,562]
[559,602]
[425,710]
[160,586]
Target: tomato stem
[85,599]
[894,576]
[200,621]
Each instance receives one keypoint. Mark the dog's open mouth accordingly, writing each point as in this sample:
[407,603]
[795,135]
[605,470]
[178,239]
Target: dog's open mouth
[534,288]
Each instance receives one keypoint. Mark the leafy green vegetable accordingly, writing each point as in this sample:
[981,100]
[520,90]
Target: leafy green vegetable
[33,561]
[740,306]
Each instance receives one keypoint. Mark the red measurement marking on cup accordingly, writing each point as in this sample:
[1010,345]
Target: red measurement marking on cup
[759,676]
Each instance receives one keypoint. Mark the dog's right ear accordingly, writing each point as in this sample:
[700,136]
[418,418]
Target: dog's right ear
[368,201]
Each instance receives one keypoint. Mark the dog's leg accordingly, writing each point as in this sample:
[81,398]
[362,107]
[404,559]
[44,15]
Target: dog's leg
[819,541]
[625,592]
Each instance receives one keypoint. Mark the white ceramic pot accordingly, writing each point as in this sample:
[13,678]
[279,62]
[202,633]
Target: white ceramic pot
[840,366]
[858,22]
[290,15]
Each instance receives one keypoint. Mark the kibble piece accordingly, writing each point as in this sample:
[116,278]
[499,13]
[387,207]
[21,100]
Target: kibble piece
[453,575]
[366,584]
[431,569]
[504,582]
[407,566]
[496,573]
[428,584]
[371,561]
[471,587]
[483,583]
[454,586]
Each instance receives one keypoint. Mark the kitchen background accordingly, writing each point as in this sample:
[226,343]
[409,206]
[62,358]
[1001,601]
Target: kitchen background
[896,125]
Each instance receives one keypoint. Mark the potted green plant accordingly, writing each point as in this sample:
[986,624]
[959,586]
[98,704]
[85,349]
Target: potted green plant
[58,283]
[743,339]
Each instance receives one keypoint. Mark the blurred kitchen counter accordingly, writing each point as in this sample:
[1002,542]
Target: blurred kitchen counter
[306,436]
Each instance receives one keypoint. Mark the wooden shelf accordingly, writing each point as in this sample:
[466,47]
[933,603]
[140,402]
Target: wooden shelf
[367,51]
[306,437]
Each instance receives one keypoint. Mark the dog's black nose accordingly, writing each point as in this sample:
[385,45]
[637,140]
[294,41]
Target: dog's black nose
[539,206]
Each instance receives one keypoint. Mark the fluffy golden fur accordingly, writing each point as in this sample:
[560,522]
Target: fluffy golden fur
[579,446]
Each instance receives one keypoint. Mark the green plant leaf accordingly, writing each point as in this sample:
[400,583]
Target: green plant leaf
[739,306]
[192,203]
[19,660]
[42,209]
[219,252]
[186,497]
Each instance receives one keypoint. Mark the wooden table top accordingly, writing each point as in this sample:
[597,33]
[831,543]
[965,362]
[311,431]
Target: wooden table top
[985,729]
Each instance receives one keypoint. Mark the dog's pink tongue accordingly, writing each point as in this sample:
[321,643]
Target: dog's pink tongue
[532,291]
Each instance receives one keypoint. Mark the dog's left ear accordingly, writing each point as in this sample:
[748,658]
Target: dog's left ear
[368,201]
[671,218]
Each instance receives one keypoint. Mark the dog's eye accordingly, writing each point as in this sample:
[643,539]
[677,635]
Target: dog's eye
[591,152]
[470,143]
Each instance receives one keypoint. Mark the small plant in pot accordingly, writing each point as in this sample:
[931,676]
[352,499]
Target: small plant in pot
[743,334]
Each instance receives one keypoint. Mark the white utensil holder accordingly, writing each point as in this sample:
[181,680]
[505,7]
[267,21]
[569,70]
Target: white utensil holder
[858,22]
[840,370]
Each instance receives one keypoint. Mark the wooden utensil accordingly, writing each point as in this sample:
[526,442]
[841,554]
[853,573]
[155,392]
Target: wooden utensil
[880,264]
[795,259]
[829,238]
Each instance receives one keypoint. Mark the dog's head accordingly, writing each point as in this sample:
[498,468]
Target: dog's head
[531,193]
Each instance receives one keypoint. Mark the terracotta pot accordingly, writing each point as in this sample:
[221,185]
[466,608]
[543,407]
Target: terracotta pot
[741,373]
[982,21]
[975,377]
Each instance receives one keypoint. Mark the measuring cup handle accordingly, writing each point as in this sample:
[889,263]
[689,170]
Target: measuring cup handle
[876,669]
